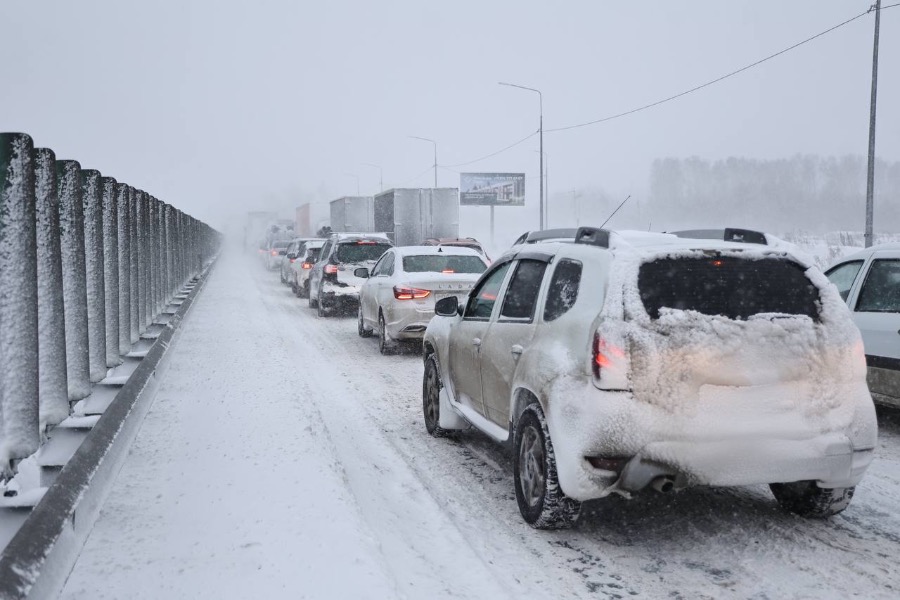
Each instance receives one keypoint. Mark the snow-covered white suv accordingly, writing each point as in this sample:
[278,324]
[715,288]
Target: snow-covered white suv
[869,281]
[627,360]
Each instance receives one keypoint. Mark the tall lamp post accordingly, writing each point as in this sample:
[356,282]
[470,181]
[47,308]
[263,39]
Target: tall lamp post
[870,170]
[541,130]
[380,174]
[415,137]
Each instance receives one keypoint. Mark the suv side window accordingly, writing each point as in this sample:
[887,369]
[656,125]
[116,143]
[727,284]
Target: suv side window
[521,295]
[326,250]
[481,302]
[844,275]
[881,290]
[563,291]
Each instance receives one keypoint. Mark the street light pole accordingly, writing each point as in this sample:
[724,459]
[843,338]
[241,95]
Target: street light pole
[380,175]
[541,131]
[415,137]
[870,173]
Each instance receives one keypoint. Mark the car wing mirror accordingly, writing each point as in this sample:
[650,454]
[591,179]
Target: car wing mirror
[361,272]
[447,307]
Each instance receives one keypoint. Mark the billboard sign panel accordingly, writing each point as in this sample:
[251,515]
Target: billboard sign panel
[492,189]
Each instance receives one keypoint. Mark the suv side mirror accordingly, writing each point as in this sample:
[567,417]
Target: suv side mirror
[361,272]
[447,307]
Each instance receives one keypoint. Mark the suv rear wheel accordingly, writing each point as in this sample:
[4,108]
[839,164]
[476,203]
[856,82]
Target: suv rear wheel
[320,307]
[807,499]
[542,503]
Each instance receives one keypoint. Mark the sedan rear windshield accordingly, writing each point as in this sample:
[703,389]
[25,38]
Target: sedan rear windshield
[351,252]
[448,263]
[736,288]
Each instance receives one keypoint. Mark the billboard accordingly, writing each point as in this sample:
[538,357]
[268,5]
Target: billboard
[492,189]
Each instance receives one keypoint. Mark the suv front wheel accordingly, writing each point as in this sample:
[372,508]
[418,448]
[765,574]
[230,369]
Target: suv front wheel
[541,501]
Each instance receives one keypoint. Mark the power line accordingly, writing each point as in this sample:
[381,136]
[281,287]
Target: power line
[714,81]
[492,154]
[408,181]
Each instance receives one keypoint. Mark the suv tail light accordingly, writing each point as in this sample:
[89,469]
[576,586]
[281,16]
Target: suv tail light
[274,252]
[609,364]
[306,265]
[331,269]
[403,292]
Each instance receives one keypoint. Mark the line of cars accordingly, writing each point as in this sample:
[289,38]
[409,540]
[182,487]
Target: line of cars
[613,362]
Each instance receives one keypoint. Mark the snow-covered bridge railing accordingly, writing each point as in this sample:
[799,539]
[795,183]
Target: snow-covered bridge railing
[90,271]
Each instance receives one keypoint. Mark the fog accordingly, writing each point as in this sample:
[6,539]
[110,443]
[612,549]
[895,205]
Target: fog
[219,108]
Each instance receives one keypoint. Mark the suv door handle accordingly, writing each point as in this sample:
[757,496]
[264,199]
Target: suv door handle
[516,350]
[476,341]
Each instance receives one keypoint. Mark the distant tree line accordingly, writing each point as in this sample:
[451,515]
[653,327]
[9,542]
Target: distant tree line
[805,192]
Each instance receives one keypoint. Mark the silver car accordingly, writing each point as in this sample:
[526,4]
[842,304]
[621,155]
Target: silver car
[618,362]
[398,297]
[301,267]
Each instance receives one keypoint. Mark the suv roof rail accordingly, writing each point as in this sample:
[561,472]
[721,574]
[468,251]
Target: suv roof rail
[593,236]
[729,234]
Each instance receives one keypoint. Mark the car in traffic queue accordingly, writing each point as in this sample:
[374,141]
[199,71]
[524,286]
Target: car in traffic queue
[620,361]
[397,299]
[869,282]
[290,256]
[468,242]
[307,255]
[333,284]
[275,250]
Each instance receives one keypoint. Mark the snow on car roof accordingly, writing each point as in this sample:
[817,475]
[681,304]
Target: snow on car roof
[866,252]
[441,250]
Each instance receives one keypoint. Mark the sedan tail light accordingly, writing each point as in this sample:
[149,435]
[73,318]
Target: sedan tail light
[403,292]
[306,265]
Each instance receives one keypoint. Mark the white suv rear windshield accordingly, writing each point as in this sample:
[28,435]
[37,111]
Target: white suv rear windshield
[352,252]
[736,288]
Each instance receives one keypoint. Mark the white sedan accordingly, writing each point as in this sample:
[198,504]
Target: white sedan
[398,297]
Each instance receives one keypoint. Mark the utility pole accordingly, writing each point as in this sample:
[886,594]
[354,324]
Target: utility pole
[870,174]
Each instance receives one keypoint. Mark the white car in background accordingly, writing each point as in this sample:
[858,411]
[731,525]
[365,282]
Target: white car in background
[301,267]
[869,282]
[398,297]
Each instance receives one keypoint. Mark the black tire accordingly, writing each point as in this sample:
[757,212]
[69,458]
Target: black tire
[431,398]
[807,499]
[320,307]
[541,501]
[312,303]
[295,289]
[360,325]
[385,344]
[281,276]
[304,291]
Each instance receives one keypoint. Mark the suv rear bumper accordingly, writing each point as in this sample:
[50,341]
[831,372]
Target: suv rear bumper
[700,447]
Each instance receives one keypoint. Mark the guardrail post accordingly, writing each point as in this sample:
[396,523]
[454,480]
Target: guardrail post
[167,245]
[134,266]
[19,409]
[111,269]
[151,259]
[161,294]
[52,388]
[147,262]
[140,256]
[123,223]
[92,194]
[71,225]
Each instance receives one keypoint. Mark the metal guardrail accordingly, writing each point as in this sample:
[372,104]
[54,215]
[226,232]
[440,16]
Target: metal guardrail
[86,265]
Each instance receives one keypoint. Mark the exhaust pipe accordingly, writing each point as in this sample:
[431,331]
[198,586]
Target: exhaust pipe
[663,484]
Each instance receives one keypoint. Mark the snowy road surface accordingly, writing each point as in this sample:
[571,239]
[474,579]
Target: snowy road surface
[283,457]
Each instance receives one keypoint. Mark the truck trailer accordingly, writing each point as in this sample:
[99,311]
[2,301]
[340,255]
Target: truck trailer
[352,213]
[411,215]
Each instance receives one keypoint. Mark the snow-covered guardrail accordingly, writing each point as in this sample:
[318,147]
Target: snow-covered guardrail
[87,265]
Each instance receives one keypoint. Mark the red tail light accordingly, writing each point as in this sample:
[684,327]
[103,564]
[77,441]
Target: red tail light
[274,252]
[448,271]
[605,355]
[292,260]
[331,269]
[306,265]
[402,292]
[365,243]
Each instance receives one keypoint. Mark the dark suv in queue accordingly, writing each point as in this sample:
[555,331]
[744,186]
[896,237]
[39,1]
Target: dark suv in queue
[332,283]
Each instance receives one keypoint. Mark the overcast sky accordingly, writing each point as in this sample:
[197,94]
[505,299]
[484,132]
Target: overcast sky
[222,107]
